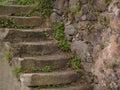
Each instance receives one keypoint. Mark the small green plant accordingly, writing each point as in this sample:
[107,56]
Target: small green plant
[6,23]
[111,65]
[58,28]
[75,63]
[104,22]
[9,22]
[44,7]
[25,2]
[4,2]
[47,69]
[63,45]
[17,70]
[59,35]
[34,69]
[89,27]
[102,46]
[7,56]
[75,9]
[107,1]
[46,34]
[27,14]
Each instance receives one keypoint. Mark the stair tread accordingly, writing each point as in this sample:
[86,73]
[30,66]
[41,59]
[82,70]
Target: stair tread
[14,9]
[28,22]
[27,30]
[37,43]
[26,35]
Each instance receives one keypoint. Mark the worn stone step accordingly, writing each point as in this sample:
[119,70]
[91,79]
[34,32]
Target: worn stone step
[26,35]
[76,86]
[71,87]
[55,61]
[33,21]
[14,9]
[52,78]
[22,49]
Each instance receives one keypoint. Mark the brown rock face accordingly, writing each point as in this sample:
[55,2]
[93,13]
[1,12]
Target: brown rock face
[107,65]
[115,23]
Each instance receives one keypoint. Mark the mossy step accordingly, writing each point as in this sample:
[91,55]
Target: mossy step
[22,49]
[26,35]
[54,61]
[14,9]
[27,22]
[51,78]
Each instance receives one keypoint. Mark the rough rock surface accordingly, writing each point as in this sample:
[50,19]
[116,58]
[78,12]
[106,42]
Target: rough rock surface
[96,39]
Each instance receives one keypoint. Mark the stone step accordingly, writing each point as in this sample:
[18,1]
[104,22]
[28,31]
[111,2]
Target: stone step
[75,86]
[33,21]
[26,35]
[55,61]
[34,48]
[14,9]
[51,78]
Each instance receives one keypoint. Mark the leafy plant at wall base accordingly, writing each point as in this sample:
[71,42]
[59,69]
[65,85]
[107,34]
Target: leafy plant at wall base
[104,22]
[63,45]
[17,70]
[77,8]
[59,35]
[58,28]
[75,63]
[7,56]
[107,1]
[45,7]
[26,2]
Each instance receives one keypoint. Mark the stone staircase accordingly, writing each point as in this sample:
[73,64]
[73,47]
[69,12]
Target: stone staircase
[31,48]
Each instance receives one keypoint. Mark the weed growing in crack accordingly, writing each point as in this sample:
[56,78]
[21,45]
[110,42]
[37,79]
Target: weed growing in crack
[107,1]
[59,35]
[63,45]
[104,22]
[17,71]
[75,62]
[47,69]
[102,46]
[89,27]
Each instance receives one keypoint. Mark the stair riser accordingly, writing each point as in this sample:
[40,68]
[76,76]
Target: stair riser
[29,64]
[34,50]
[29,22]
[13,9]
[38,80]
[77,87]
[26,36]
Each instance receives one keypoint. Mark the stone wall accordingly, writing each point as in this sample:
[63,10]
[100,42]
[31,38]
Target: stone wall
[92,27]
